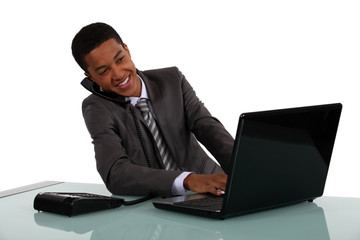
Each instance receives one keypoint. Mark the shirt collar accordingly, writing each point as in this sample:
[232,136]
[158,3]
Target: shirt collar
[143,94]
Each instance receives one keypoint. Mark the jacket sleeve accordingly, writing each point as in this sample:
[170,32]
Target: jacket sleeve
[207,129]
[119,173]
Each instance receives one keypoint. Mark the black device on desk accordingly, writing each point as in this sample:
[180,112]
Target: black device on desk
[70,204]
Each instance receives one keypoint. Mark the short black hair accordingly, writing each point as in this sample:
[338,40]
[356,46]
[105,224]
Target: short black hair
[89,38]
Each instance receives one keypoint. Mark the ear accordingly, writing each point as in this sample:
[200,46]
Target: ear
[127,49]
[88,75]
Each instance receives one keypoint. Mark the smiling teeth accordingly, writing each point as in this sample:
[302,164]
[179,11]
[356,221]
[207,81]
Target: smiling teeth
[124,82]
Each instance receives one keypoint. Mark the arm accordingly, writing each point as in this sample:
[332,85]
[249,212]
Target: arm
[207,129]
[212,134]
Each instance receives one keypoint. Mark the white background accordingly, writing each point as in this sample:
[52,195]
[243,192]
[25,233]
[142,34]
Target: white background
[239,56]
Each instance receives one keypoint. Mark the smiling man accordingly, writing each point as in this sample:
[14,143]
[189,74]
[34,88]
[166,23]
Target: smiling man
[146,125]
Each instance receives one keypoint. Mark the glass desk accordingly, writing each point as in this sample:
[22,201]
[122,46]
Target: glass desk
[325,218]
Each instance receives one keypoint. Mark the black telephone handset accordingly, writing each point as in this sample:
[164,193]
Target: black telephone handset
[95,89]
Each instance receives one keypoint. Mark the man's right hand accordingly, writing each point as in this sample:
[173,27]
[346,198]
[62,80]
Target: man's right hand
[206,183]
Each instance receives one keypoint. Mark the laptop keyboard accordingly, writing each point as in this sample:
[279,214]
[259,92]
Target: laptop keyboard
[212,203]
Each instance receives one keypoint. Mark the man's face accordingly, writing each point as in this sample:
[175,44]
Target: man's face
[110,66]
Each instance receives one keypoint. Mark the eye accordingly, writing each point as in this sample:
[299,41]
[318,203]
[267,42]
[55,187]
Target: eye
[104,72]
[120,59]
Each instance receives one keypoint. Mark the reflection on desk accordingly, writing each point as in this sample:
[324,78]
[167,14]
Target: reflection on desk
[325,218]
[301,221]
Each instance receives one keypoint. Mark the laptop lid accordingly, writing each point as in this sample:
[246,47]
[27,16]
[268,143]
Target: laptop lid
[280,157]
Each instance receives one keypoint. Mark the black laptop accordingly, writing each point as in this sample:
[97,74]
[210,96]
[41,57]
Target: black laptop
[280,157]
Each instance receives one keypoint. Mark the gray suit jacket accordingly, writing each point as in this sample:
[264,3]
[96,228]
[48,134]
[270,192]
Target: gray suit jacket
[182,119]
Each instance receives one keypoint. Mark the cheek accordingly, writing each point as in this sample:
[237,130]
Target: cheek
[104,83]
[130,64]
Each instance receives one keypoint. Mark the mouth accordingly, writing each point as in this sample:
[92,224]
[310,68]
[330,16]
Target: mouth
[125,83]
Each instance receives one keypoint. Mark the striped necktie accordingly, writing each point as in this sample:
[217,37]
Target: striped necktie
[169,163]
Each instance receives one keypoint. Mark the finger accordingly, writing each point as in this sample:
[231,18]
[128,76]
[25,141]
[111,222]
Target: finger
[216,192]
[220,185]
[222,178]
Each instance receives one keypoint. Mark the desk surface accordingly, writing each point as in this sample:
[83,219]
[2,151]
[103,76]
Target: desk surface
[325,218]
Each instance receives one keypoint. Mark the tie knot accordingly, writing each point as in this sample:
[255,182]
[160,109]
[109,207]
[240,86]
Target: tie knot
[143,106]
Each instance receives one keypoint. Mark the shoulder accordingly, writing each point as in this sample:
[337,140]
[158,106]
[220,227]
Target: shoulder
[98,104]
[162,73]
[94,99]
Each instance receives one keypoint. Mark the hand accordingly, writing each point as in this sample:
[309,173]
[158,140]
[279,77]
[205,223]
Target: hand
[206,183]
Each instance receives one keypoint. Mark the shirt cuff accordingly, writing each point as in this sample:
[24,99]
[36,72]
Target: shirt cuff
[178,184]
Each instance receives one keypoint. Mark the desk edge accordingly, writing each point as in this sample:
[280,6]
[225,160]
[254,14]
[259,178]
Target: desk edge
[27,188]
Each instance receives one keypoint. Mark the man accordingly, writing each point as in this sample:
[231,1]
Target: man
[147,147]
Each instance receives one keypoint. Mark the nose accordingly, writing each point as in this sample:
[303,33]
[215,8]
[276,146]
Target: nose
[117,73]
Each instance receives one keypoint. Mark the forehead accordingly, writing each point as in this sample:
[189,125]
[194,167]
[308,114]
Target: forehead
[104,53]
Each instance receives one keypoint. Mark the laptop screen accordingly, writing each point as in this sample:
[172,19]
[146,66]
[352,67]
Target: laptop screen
[281,157]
